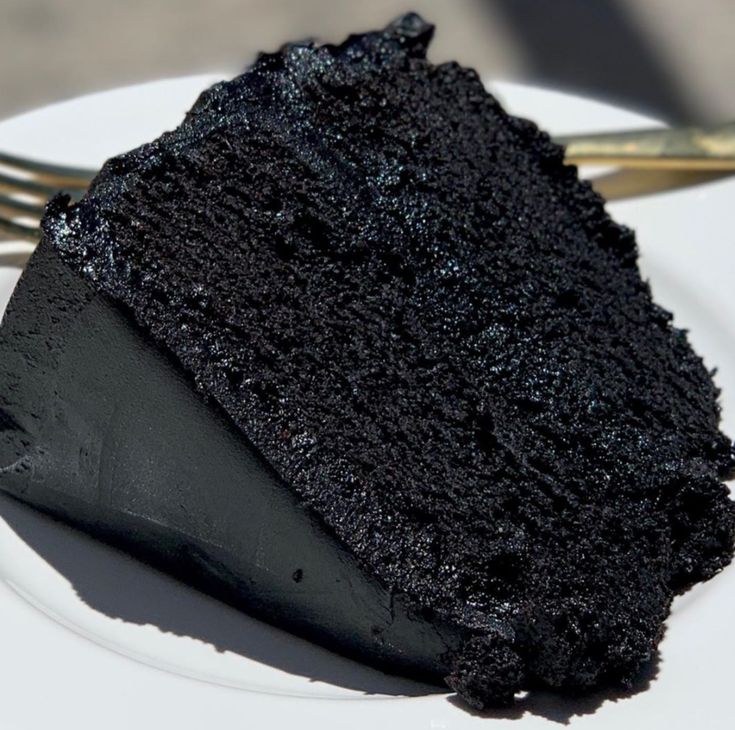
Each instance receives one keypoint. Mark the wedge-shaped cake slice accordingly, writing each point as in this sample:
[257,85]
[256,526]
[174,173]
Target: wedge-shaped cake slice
[353,350]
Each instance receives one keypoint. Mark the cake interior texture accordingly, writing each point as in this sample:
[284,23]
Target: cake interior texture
[434,333]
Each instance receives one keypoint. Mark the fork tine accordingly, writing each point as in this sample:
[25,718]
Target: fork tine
[20,206]
[19,231]
[37,189]
[79,174]
[26,193]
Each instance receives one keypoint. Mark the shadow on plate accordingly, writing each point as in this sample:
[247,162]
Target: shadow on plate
[121,587]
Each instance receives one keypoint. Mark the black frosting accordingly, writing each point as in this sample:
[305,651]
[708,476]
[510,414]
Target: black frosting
[437,338]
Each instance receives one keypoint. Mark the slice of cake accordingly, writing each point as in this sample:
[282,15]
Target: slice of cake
[353,350]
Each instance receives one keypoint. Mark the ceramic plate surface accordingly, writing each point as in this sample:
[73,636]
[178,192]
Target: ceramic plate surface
[91,639]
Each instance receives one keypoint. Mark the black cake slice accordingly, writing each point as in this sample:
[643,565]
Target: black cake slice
[353,350]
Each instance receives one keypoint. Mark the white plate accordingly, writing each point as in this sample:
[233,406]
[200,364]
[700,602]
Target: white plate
[91,639]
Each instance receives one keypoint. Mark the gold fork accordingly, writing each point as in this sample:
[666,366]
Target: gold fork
[663,158]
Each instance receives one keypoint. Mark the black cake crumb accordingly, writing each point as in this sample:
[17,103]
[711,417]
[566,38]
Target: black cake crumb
[437,336]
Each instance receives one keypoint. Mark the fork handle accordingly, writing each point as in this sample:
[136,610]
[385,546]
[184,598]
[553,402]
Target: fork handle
[684,148]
